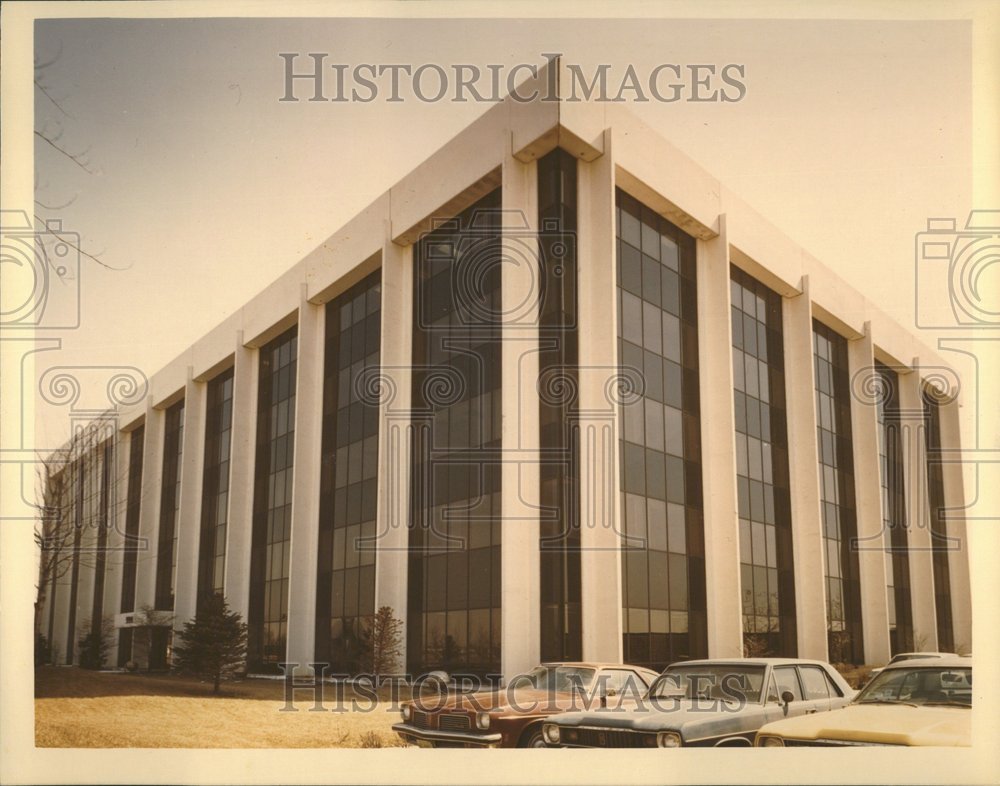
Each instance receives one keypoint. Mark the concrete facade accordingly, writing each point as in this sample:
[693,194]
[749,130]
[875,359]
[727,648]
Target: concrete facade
[614,150]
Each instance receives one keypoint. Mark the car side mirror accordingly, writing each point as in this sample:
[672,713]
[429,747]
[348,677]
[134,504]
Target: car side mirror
[787,696]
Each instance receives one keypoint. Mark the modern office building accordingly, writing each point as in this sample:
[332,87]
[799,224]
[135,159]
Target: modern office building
[557,394]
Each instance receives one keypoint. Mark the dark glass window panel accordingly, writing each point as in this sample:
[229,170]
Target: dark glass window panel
[836,488]
[269,560]
[456,338]
[939,527]
[166,557]
[894,512]
[131,542]
[660,449]
[215,486]
[762,486]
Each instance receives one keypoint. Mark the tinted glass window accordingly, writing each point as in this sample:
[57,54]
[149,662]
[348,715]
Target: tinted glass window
[660,470]
[815,683]
[785,677]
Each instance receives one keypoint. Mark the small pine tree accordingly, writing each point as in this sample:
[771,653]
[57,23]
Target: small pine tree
[214,645]
[385,642]
[94,646]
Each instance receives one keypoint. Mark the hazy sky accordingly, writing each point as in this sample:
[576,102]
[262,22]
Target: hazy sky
[205,187]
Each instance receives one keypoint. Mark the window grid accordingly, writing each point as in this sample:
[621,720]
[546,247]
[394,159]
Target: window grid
[79,477]
[131,543]
[897,562]
[215,487]
[454,573]
[103,525]
[836,483]
[558,359]
[268,617]
[349,478]
[766,561]
[939,527]
[166,559]
[663,582]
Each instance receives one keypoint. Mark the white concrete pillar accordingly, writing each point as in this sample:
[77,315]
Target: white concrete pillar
[239,529]
[520,562]
[955,502]
[918,533]
[149,507]
[189,516]
[301,641]
[600,498]
[718,448]
[392,516]
[871,537]
[803,475]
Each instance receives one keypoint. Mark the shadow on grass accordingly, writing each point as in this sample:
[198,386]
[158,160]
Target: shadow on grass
[54,682]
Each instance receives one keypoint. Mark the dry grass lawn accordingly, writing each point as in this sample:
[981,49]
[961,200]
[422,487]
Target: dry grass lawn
[81,709]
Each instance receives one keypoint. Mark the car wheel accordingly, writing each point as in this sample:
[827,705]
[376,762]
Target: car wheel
[533,738]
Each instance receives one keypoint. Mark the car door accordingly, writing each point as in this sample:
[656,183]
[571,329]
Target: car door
[815,687]
[786,679]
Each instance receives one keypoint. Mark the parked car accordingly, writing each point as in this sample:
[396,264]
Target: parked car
[912,702]
[899,657]
[511,717]
[707,703]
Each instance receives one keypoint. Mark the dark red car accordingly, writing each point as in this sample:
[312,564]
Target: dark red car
[511,716]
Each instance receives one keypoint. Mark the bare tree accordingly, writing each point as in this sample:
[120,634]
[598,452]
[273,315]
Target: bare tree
[61,522]
[386,641]
[51,120]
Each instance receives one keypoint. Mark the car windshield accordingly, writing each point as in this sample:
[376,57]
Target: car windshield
[920,685]
[710,681]
[555,678]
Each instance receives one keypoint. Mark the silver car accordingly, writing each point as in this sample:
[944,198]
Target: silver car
[707,703]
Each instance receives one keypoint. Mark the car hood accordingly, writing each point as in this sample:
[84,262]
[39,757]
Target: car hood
[685,715]
[526,701]
[884,724]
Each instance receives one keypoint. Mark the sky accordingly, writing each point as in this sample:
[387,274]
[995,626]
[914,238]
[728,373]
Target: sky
[204,187]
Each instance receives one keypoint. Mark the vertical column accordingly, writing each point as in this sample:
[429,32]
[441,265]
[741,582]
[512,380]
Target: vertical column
[149,508]
[911,422]
[189,516]
[600,541]
[302,567]
[394,433]
[239,532]
[958,556]
[868,502]
[519,477]
[718,448]
[803,463]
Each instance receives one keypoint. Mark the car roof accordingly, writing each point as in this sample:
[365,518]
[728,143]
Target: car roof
[588,664]
[751,662]
[926,654]
[947,661]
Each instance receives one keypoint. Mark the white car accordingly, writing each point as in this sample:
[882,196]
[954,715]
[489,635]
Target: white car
[913,703]
[899,657]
